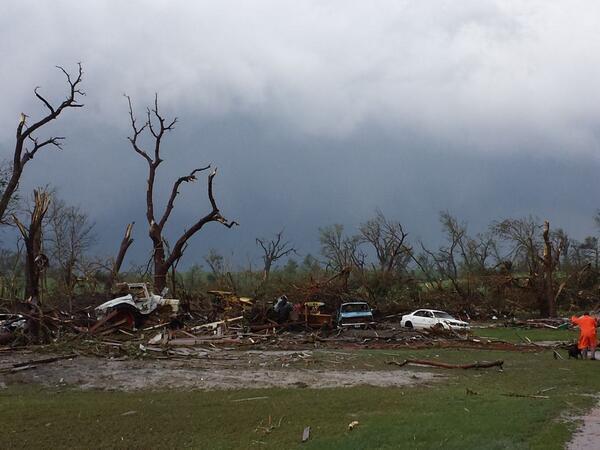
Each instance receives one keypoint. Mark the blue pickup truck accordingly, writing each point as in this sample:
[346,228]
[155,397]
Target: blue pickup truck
[355,314]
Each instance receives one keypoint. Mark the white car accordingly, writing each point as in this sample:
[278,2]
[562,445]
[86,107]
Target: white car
[428,318]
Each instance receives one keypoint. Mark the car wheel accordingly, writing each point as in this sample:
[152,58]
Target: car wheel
[408,324]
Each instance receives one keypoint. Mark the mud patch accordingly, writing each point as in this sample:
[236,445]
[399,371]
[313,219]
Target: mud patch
[227,370]
[588,435]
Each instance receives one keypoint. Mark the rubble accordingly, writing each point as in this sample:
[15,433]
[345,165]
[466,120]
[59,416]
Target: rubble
[141,324]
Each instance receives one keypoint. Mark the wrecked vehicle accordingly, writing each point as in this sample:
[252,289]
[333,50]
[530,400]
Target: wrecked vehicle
[315,317]
[9,324]
[12,322]
[356,314]
[429,318]
[280,312]
[132,309]
[227,304]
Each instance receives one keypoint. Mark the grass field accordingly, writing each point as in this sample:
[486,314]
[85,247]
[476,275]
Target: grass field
[436,415]
[514,334]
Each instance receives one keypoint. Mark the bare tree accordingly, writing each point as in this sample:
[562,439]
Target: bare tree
[589,250]
[523,237]
[157,126]
[273,250]
[447,264]
[35,260]
[340,252]
[541,256]
[71,234]
[27,144]
[216,263]
[388,240]
[11,268]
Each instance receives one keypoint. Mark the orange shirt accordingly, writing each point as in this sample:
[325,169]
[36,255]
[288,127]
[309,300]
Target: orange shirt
[587,325]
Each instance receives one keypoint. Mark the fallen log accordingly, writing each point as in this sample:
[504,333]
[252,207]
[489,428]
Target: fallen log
[425,362]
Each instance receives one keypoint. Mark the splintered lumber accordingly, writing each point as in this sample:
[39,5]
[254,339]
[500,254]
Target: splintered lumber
[425,362]
[306,434]
[214,325]
[200,341]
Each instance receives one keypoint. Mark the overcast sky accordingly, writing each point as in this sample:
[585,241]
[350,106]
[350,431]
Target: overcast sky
[316,112]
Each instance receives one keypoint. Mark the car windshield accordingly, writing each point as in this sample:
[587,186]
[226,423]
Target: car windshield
[355,307]
[442,315]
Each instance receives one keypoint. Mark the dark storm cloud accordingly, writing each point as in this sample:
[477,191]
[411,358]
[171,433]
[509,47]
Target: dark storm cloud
[318,112]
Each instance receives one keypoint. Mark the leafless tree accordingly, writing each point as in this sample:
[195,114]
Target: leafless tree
[216,263]
[462,260]
[273,250]
[35,260]
[27,144]
[11,268]
[589,251]
[340,252]
[157,126]
[388,240]
[540,255]
[71,234]
[447,265]
[524,241]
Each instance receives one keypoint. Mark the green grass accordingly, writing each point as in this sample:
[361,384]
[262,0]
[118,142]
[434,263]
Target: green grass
[436,415]
[519,334]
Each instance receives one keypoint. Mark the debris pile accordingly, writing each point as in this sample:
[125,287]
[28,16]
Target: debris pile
[140,323]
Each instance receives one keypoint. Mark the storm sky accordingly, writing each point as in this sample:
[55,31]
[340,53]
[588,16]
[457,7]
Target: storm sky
[315,112]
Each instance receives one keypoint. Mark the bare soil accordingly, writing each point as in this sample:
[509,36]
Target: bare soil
[211,370]
[588,435]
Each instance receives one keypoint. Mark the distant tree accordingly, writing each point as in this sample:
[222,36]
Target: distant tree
[447,259]
[541,254]
[310,264]
[290,269]
[589,251]
[216,263]
[70,236]
[388,240]
[340,252]
[524,241]
[11,270]
[273,249]
[164,259]
[27,143]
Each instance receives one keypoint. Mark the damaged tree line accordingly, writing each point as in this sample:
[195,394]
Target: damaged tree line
[516,265]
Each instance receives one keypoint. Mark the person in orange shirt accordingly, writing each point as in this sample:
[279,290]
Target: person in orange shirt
[587,334]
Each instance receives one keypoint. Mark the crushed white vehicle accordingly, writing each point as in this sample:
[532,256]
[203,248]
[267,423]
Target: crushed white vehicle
[131,309]
[429,318]
[12,322]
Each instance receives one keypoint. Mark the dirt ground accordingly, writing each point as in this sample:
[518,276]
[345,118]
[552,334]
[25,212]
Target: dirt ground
[588,435]
[213,370]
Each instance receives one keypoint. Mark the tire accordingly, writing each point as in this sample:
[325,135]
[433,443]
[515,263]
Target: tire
[408,324]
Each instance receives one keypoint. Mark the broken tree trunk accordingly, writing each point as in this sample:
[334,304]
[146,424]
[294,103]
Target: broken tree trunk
[549,263]
[125,244]
[35,260]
